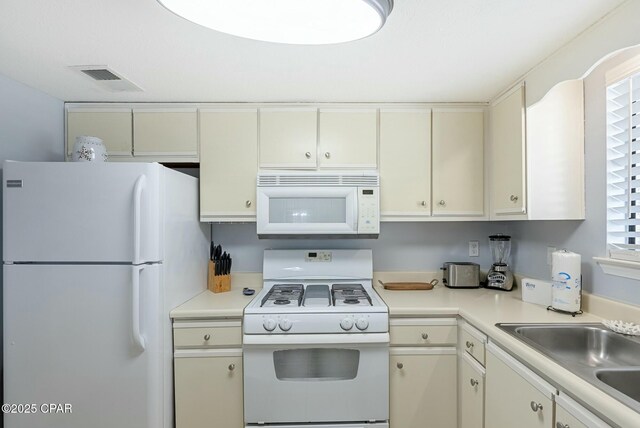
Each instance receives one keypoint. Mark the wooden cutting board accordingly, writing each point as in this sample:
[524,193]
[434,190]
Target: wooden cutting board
[409,285]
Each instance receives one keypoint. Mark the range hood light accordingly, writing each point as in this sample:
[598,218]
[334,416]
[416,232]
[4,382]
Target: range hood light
[305,22]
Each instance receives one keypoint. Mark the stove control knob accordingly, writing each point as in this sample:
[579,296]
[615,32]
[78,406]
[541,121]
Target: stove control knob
[285,325]
[346,323]
[269,324]
[362,324]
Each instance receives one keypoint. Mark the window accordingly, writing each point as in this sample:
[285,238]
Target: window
[623,168]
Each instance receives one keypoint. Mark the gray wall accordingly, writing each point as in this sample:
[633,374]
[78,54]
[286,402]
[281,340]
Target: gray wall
[400,247]
[31,129]
[586,237]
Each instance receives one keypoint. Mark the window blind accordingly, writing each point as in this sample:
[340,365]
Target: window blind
[623,168]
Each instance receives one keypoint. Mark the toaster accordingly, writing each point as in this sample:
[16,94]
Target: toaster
[461,275]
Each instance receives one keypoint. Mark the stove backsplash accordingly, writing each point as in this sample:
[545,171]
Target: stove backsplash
[400,246]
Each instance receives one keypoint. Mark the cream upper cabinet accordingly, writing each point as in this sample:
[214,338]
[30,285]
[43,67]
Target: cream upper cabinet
[166,132]
[514,395]
[228,164]
[405,161]
[288,137]
[458,163]
[507,160]
[555,154]
[471,393]
[347,138]
[112,125]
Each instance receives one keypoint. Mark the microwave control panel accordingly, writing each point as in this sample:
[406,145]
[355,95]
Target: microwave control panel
[368,210]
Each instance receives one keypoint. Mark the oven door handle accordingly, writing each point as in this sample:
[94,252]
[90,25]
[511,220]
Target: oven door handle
[315,339]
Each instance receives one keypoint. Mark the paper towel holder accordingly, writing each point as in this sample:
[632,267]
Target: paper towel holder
[573,314]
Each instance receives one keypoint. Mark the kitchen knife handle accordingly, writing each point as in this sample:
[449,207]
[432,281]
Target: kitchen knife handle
[137,202]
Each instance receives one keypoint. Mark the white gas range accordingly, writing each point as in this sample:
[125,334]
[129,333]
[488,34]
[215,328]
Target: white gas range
[315,334]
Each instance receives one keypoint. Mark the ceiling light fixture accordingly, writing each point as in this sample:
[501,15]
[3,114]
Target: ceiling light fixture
[304,22]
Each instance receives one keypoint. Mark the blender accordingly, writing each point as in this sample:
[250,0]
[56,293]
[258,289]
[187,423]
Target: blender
[500,276]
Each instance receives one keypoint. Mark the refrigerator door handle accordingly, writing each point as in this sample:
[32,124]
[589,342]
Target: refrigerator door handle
[138,338]
[137,201]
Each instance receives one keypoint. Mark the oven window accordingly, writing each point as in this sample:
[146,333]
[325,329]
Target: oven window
[307,210]
[316,364]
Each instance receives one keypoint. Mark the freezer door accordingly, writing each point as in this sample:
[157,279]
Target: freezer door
[82,212]
[70,338]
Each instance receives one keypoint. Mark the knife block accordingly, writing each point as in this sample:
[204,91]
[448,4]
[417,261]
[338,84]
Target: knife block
[217,283]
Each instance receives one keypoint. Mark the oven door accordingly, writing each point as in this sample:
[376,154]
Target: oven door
[320,378]
[307,211]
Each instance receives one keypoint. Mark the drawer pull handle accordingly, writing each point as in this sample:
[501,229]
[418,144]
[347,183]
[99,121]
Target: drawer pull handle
[308,155]
[561,425]
[442,203]
[425,336]
[536,406]
[423,203]
[327,155]
[232,367]
[399,365]
[247,204]
[469,345]
[513,198]
[207,336]
[474,382]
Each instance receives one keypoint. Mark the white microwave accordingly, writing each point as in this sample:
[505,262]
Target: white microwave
[318,204]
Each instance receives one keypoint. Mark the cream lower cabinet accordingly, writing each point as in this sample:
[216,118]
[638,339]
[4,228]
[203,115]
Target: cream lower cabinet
[471,393]
[228,164]
[458,162]
[514,395]
[208,380]
[570,414]
[423,373]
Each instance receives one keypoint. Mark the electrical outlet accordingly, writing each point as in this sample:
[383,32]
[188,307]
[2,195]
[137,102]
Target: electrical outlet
[550,251]
[474,248]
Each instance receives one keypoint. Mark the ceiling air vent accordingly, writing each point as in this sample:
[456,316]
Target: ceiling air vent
[101,74]
[107,78]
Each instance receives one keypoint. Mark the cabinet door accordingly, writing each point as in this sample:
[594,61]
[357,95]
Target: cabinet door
[570,414]
[348,138]
[112,125]
[208,392]
[514,394]
[288,138]
[458,163]
[228,164]
[471,388]
[507,162]
[422,388]
[166,133]
[405,164]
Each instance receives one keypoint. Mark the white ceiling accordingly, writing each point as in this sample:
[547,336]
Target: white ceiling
[429,51]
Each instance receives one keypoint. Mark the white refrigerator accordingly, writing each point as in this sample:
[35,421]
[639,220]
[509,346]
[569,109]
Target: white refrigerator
[95,257]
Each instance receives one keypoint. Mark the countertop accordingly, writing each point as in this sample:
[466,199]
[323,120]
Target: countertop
[480,307]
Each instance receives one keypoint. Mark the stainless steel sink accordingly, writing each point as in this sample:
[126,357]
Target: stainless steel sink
[608,360]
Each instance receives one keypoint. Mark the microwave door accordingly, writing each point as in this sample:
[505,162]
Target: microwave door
[307,210]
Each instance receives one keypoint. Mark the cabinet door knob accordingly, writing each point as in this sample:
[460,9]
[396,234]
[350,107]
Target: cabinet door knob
[536,406]
[307,155]
[474,382]
[425,336]
[423,203]
[232,367]
[327,155]
[207,336]
[469,345]
[513,198]
[561,425]
[442,203]
[399,365]
[247,204]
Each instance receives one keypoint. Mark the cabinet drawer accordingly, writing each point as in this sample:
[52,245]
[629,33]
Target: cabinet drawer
[423,332]
[473,343]
[207,336]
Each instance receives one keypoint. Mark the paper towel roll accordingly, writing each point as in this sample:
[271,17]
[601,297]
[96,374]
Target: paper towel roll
[567,281]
